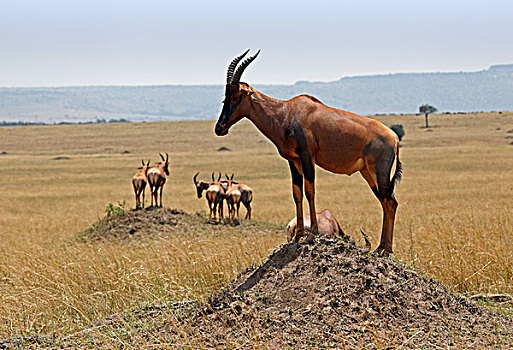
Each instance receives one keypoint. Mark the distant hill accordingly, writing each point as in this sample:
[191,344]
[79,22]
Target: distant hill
[486,90]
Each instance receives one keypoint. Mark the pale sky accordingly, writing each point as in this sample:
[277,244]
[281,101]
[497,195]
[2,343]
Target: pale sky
[153,42]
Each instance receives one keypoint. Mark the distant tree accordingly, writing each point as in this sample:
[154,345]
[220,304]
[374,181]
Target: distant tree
[426,109]
[398,129]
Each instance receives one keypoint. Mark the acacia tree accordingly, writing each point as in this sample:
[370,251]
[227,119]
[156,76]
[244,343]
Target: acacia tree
[426,109]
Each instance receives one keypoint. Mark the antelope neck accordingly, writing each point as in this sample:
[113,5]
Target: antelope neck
[269,115]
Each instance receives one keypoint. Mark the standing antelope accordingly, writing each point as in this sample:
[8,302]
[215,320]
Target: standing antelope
[307,132]
[139,181]
[233,197]
[157,179]
[214,192]
[246,193]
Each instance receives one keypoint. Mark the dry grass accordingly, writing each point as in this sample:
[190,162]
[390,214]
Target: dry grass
[454,221]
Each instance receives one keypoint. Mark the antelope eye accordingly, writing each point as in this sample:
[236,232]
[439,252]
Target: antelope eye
[223,101]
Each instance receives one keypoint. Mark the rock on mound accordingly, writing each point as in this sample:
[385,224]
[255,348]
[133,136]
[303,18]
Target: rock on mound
[331,295]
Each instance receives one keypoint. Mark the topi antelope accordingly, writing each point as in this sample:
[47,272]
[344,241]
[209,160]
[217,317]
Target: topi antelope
[233,197]
[139,181]
[306,132]
[157,179]
[245,191]
[214,193]
[327,225]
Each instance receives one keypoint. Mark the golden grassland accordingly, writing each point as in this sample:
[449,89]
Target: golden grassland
[455,216]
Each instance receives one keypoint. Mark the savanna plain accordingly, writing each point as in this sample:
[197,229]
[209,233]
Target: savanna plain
[454,221]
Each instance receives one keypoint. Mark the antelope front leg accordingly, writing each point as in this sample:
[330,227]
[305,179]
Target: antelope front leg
[308,167]
[297,193]
[310,196]
[161,188]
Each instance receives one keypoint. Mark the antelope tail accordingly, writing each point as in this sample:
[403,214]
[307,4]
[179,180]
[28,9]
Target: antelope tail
[367,242]
[398,174]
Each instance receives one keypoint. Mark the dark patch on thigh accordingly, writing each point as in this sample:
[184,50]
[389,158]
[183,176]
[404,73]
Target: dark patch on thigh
[297,133]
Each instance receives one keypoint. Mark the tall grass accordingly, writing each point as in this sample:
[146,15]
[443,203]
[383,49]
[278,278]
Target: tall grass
[454,219]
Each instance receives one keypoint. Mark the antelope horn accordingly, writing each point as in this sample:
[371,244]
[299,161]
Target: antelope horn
[219,178]
[194,179]
[148,163]
[161,156]
[167,157]
[213,177]
[367,242]
[142,160]
[227,177]
[242,67]
[233,65]
[231,178]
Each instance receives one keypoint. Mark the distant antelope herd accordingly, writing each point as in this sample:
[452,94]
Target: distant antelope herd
[227,189]
[306,133]
[154,176]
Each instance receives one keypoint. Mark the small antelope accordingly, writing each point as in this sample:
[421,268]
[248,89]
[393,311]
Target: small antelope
[233,197]
[139,181]
[306,133]
[214,193]
[327,224]
[245,191]
[157,179]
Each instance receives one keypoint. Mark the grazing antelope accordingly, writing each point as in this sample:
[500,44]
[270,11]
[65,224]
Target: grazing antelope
[307,132]
[139,181]
[245,191]
[327,225]
[157,179]
[214,192]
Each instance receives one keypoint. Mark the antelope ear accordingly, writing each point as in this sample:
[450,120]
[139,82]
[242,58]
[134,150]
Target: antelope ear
[254,98]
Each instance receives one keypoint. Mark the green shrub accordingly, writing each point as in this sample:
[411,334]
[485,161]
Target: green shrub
[398,129]
[118,210]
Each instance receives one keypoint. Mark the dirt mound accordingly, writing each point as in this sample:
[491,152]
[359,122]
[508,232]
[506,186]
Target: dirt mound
[131,225]
[123,225]
[331,295]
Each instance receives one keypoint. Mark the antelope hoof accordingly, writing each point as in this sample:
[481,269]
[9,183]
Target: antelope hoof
[381,251]
[309,239]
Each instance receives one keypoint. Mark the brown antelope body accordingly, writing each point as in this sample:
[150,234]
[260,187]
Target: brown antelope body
[139,181]
[214,193]
[246,194]
[307,132]
[327,225]
[233,197]
[157,179]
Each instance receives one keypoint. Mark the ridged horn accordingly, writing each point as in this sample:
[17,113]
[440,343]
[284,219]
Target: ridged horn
[233,65]
[161,156]
[367,242]
[195,178]
[167,157]
[213,177]
[242,67]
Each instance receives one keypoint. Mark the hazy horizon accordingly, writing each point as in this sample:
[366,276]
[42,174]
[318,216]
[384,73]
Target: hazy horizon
[54,43]
[257,83]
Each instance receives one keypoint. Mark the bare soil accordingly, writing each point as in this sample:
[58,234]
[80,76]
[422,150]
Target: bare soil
[332,295]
